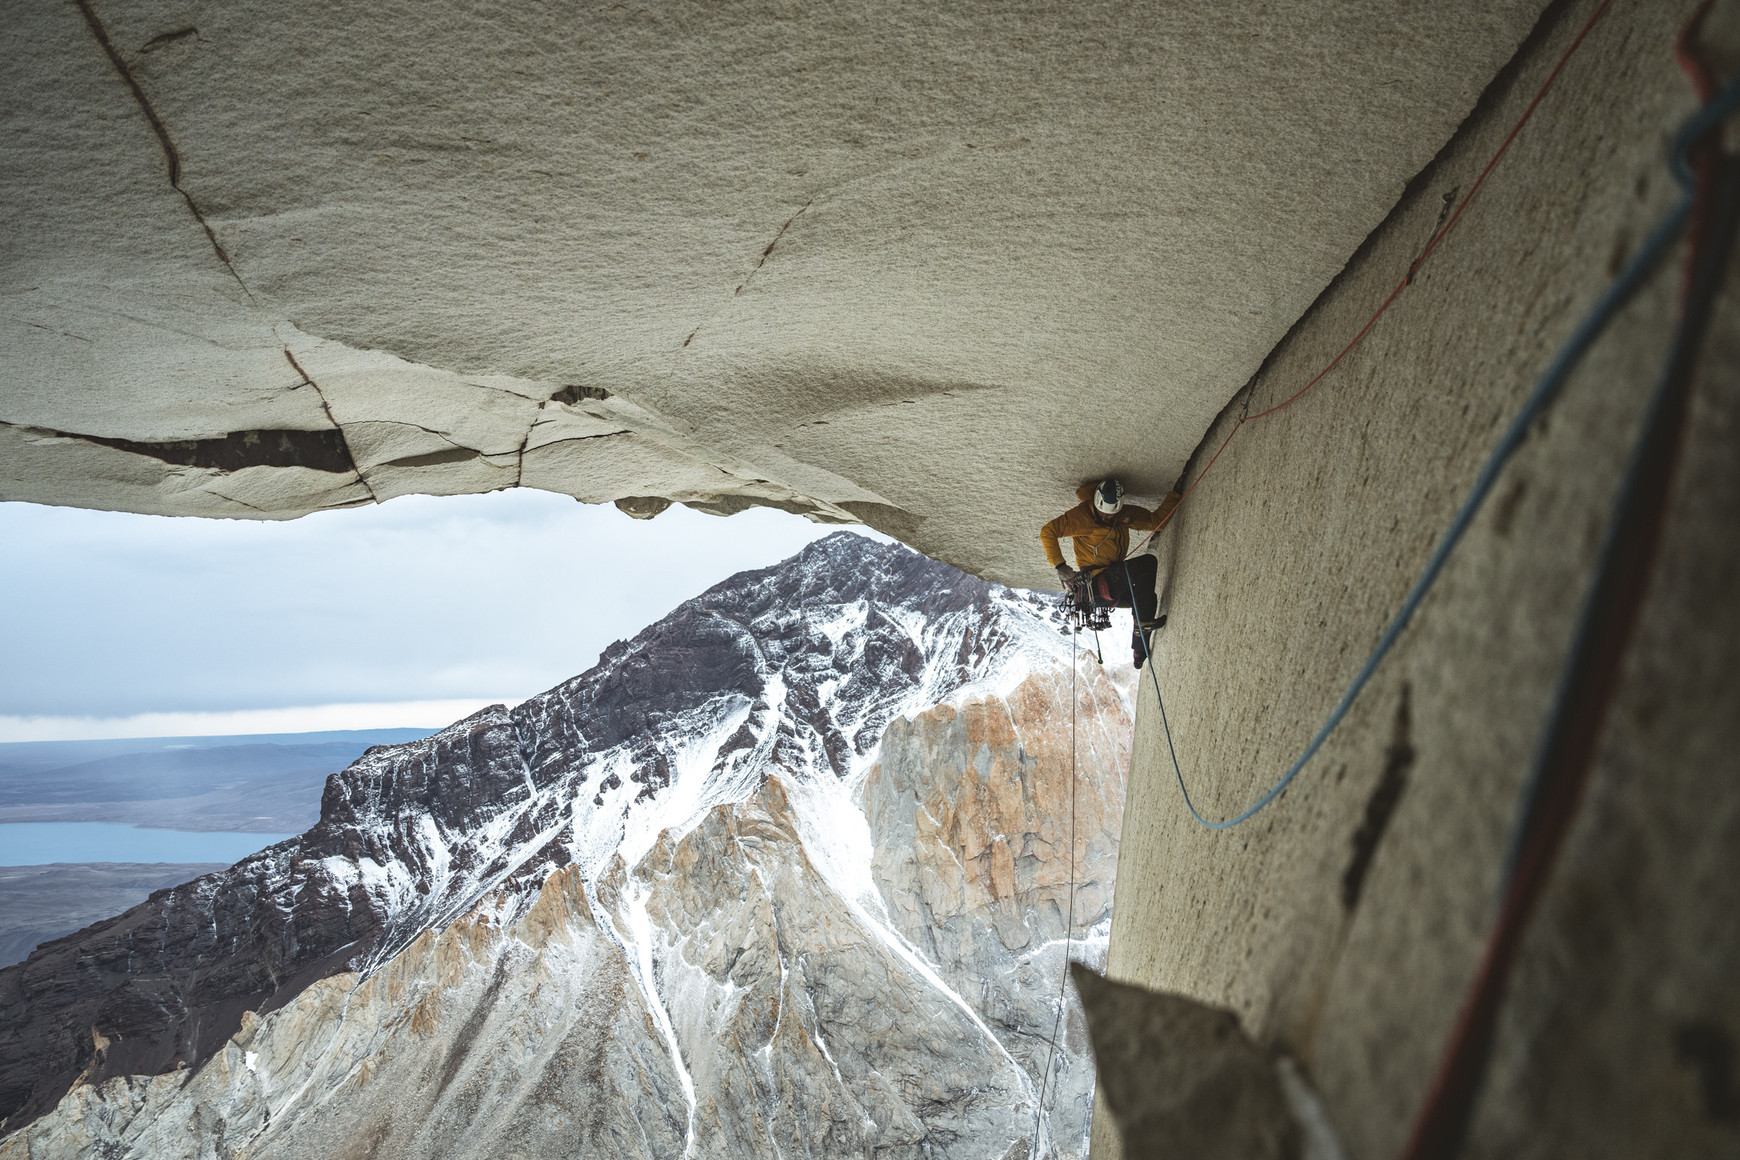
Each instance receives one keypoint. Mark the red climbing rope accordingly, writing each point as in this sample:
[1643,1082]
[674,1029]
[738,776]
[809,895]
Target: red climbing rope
[1594,671]
[1413,268]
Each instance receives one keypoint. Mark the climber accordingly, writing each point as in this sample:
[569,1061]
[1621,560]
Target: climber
[1100,527]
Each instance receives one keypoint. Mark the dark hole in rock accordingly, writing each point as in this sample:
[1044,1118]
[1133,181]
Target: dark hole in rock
[1708,1048]
[574,393]
[316,450]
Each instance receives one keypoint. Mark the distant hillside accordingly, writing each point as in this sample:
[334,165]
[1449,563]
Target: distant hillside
[263,784]
[41,903]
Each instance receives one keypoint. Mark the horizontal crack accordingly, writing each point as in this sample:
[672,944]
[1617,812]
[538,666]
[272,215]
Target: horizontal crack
[315,450]
[157,42]
[62,333]
[574,439]
[441,435]
[436,458]
[242,502]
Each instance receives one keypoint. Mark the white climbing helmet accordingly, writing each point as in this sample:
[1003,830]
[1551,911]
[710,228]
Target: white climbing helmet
[1109,497]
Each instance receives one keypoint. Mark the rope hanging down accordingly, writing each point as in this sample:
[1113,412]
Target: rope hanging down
[1660,240]
[1545,391]
[1413,269]
[1069,920]
[1609,616]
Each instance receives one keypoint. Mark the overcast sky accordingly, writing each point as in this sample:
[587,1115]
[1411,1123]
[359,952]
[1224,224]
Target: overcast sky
[414,612]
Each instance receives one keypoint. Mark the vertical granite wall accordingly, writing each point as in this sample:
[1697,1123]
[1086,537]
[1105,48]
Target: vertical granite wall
[1344,922]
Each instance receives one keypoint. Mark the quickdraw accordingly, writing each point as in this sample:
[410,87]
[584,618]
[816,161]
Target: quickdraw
[1087,605]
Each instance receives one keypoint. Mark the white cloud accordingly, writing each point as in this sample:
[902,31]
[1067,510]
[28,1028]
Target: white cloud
[293,719]
[416,601]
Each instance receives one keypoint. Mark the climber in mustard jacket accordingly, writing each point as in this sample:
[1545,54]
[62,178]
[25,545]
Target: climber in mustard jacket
[1100,527]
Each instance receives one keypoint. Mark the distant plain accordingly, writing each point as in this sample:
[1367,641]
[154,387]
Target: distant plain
[266,784]
[206,789]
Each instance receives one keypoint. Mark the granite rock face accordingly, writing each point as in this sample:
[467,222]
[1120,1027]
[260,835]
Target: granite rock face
[267,258]
[719,1001]
[1183,1079]
[479,1039]
[807,1030]
[1345,923]
[640,912]
[971,809]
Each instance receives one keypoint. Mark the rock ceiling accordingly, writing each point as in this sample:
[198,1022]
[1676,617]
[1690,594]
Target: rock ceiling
[927,266]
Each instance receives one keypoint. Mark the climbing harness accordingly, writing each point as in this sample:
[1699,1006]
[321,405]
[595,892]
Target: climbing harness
[1085,610]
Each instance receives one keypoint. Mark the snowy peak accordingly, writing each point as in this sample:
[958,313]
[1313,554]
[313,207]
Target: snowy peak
[847,621]
[794,670]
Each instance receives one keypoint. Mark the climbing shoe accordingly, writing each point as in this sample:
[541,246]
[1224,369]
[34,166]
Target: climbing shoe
[1142,640]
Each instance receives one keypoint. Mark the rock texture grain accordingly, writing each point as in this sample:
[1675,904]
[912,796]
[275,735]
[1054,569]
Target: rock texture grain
[1345,922]
[270,258]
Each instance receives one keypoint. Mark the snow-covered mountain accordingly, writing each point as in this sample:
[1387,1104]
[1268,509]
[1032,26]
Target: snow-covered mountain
[644,910]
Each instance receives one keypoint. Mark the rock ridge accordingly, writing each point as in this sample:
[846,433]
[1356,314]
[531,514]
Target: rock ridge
[798,667]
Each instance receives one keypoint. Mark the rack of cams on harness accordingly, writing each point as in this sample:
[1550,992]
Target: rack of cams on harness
[1087,604]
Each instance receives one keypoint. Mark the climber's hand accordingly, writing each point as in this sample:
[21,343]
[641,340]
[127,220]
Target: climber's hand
[1067,576]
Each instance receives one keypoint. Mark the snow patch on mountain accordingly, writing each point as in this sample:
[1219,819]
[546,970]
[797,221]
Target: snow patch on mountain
[739,732]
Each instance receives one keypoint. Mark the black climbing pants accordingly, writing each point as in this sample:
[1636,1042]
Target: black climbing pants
[1117,584]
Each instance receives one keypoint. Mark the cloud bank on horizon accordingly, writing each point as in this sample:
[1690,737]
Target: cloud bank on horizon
[411,613]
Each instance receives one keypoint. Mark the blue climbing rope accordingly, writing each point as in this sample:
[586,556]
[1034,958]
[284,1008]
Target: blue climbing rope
[1546,389]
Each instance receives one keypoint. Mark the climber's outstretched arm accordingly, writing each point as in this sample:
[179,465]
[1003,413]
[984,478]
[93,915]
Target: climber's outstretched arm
[1147,521]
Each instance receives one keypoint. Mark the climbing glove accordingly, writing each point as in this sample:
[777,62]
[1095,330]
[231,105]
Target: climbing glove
[1067,576]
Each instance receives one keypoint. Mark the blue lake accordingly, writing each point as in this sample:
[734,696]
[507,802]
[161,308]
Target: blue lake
[36,843]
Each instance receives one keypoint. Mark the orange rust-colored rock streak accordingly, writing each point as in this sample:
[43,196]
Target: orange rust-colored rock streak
[984,792]
[969,810]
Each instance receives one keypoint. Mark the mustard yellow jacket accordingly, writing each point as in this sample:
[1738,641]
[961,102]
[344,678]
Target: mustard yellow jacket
[1098,544]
